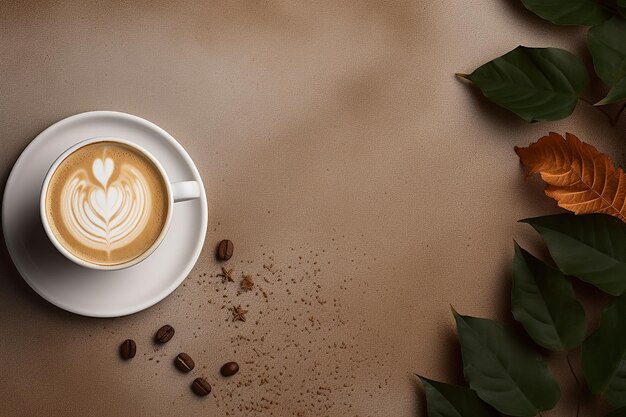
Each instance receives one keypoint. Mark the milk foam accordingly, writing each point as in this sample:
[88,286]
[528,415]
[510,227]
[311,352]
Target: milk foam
[110,212]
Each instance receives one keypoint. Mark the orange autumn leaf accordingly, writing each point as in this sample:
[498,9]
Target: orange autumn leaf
[579,178]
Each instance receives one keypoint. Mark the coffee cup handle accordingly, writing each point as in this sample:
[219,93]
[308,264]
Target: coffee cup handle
[185,190]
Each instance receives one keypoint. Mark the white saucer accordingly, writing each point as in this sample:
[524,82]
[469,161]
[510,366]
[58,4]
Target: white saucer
[85,291]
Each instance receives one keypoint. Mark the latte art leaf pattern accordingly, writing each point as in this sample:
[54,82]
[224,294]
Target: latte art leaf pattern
[110,212]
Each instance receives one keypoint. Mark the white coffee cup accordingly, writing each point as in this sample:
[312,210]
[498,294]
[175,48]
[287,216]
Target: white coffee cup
[176,192]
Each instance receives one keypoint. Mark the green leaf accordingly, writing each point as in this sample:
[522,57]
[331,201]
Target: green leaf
[543,302]
[534,83]
[616,93]
[603,355]
[444,400]
[607,44]
[503,371]
[620,412]
[591,247]
[569,12]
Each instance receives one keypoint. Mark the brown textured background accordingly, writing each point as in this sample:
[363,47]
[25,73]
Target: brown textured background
[335,146]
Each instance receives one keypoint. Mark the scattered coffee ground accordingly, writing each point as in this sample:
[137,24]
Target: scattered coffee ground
[184,362]
[201,387]
[300,323]
[229,369]
[164,334]
[302,343]
[225,250]
[246,283]
[128,349]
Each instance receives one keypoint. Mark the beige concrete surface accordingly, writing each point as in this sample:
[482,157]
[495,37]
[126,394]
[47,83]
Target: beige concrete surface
[364,187]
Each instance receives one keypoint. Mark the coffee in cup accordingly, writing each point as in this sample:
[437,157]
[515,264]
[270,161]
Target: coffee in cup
[107,203]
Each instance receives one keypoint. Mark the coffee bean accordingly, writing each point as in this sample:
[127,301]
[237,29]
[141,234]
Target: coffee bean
[201,387]
[128,349]
[225,250]
[229,369]
[164,334]
[184,362]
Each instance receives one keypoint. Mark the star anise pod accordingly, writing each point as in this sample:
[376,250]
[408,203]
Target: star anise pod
[239,314]
[247,283]
[227,275]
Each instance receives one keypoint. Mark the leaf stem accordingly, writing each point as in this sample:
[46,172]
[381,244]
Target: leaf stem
[463,76]
[578,385]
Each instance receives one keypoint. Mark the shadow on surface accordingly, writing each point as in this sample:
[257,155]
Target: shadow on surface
[14,291]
